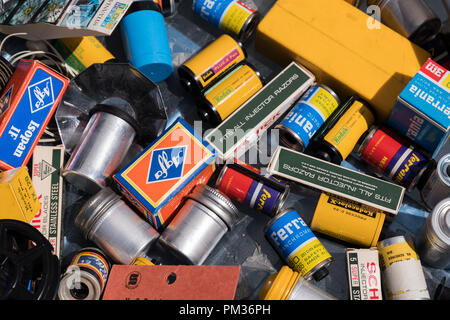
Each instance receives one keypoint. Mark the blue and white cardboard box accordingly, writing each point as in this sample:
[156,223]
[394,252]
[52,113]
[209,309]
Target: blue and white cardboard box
[422,111]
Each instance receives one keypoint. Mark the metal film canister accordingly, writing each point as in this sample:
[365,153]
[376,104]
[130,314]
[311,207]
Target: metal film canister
[145,40]
[401,271]
[229,93]
[245,184]
[297,245]
[437,186]
[400,163]
[307,116]
[114,227]
[210,63]
[86,276]
[287,284]
[232,16]
[102,147]
[412,19]
[434,249]
[202,221]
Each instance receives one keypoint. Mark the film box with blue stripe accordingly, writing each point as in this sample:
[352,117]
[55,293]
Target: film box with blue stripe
[159,178]
[26,106]
[422,111]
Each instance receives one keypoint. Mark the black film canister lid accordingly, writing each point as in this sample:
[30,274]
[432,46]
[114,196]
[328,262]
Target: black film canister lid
[143,5]
[320,274]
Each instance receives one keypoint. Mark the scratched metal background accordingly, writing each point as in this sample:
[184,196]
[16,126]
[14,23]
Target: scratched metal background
[245,245]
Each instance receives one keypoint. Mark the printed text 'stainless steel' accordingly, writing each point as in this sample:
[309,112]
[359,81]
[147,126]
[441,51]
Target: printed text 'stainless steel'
[210,63]
[412,19]
[297,245]
[287,284]
[403,165]
[347,220]
[229,93]
[307,116]
[338,137]
[245,184]
[232,16]
[102,147]
[434,249]
[86,276]
[114,227]
[437,186]
[401,270]
[202,221]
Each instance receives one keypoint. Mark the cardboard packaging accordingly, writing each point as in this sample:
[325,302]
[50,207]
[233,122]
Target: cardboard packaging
[26,106]
[337,180]
[138,282]
[55,19]
[422,111]
[157,180]
[48,183]
[243,127]
[342,46]
[18,199]
[364,277]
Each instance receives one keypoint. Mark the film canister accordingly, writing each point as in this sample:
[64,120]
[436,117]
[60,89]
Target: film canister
[337,138]
[211,62]
[86,276]
[229,93]
[245,184]
[400,163]
[307,116]
[287,284]
[231,16]
[297,245]
[145,40]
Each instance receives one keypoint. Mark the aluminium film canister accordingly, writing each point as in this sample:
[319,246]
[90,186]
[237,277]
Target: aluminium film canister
[229,93]
[145,41]
[337,138]
[210,63]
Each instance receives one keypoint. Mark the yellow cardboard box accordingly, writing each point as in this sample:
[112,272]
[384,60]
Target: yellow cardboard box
[18,199]
[343,47]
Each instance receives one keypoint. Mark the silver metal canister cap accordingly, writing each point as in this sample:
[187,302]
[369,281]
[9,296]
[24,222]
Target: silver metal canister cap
[216,201]
[94,208]
[440,222]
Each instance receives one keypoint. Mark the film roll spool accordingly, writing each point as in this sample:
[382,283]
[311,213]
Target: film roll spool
[245,184]
[402,274]
[400,163]
[229,93]
[86,276]
[297,245]
[337,138]
[232,16]
[210,63]
[307,116]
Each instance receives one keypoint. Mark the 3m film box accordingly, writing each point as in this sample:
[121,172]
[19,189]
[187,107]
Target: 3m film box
[332,39]
[422,111]
[364,277]
[48,183]
[242,129]
[158,179]
[28,102]
[18,199]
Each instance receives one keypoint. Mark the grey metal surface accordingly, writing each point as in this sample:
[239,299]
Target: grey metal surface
[246,245]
